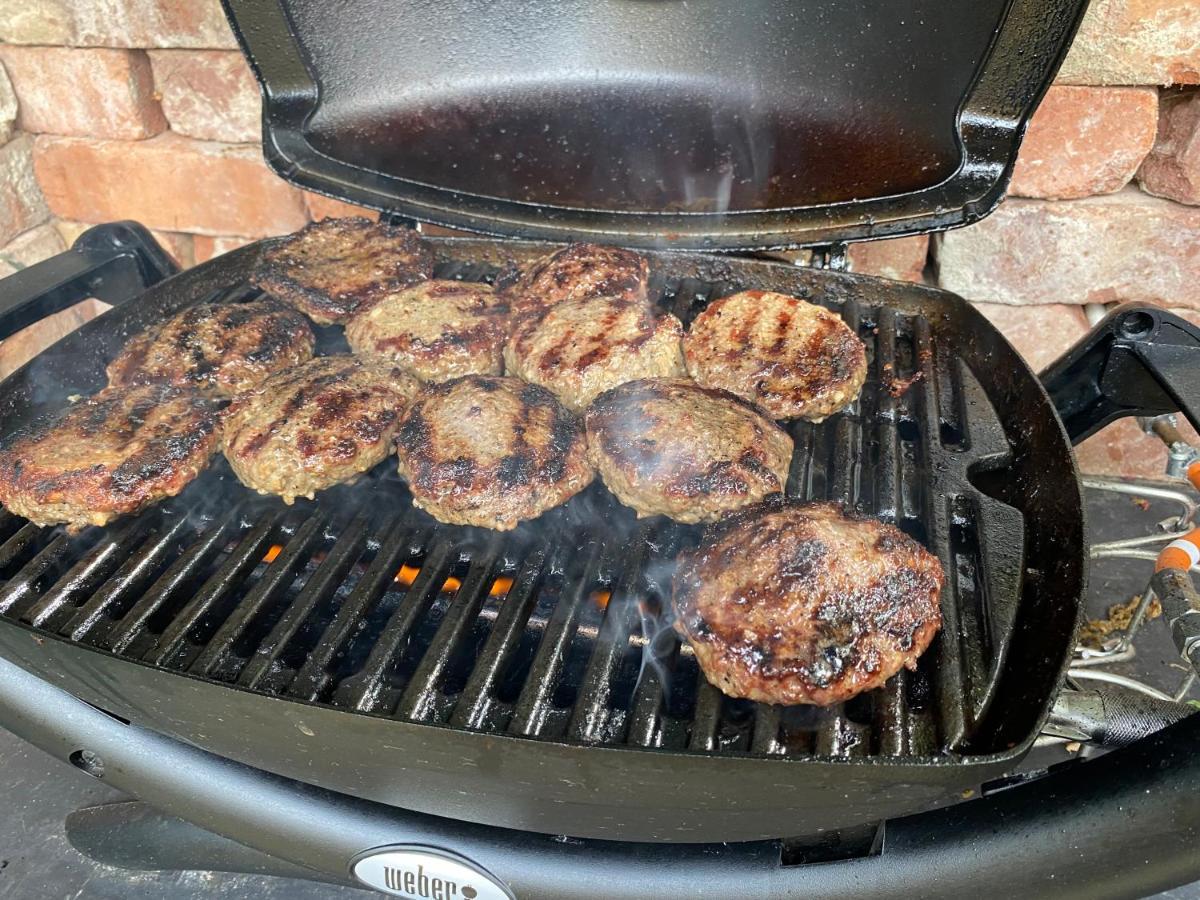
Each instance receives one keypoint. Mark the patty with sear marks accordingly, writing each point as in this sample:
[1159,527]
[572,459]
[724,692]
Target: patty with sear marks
[111,455]
[335,268]
[799,603]
[576,272]
[220,349]
[492,452]
[582,347]
[666,446]
[315,425]
[794,359]
[438,330]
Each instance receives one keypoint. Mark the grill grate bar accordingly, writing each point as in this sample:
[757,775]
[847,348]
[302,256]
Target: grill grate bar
[279,576]
[321,585]
[418,700]
[533,705]
[19,544]
[22,588]
[241,561]
[315,676]
[125,584]
[365,690]
[706,721]
[478,696]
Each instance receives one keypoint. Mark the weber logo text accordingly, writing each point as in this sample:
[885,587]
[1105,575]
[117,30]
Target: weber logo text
[416,883]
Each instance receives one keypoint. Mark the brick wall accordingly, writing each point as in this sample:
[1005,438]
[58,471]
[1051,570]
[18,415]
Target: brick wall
[144,109]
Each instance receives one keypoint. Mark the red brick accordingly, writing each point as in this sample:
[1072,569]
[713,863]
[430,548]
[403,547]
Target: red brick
[1136,42]
[209,246]
[170,182]
[8,108]
[116,23]
[322,207]
[1173,167]
[22,205]
[1041,334]
[1123,246]
[1084,141]
[1124,449]
[37,22]
[208,94]
[902,259]
[27,343]
[33,246]
[97,93]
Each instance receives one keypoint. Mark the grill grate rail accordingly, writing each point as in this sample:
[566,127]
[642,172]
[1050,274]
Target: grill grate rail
[555,631]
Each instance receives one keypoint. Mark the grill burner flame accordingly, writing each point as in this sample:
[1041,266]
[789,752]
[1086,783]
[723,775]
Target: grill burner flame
[273,553]
[408,574]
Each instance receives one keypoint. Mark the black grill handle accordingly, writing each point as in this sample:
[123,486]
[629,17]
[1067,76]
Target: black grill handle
[1138,361]
[113,263]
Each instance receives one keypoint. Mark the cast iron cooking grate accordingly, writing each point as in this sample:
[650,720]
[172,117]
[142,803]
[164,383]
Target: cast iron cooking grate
[558,630]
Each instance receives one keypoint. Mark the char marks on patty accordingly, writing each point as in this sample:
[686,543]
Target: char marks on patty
[111,455]
[799,603]
[792,358]
[668,446]
[315,425]
[492,452]
[576,272]
[220,349]
[336,268]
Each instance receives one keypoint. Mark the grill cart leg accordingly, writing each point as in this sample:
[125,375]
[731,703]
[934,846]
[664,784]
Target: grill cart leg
[133,835]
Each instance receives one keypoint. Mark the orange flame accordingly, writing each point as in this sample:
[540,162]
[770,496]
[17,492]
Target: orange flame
[274,552]
[601,598]
[408,574]
[500,587]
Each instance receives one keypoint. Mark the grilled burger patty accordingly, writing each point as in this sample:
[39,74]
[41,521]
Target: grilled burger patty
[436,329]
[332,269]
[221,349]
[576,272]
[790,357]
[799,603]
[668,446]
[312,426]
[584,346]
[489,451]
[111,455]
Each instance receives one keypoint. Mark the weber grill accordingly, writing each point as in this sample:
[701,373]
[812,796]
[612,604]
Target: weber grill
[345,686]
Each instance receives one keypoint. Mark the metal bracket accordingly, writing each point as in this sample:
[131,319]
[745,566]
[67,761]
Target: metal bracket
[1138,361]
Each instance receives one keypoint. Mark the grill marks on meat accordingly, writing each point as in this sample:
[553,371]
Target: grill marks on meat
[577,272]
[796,603]
[492,452]
[792,358]
[220,349]
[584,346]
[111,455]
[335,268]
[438,330]
[668,446]
[316,425]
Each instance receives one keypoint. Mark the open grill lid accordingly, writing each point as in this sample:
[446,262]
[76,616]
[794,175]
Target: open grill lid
[678,123]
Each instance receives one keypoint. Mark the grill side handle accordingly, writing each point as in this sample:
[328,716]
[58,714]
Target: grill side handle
[113,263]
[1120,826]
[1138,361]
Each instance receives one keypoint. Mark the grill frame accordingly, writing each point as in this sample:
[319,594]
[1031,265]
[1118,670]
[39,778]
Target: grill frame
[669,796]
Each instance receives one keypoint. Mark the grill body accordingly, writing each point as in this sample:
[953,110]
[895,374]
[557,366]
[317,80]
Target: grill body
[527,680]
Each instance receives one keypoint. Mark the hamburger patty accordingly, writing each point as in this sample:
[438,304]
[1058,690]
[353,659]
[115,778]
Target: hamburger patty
[668,446]
[799,603]
[312,426]
[332,269]
[493,452]
[436,329]
[221,349]
[581,347]
[576,272]
[790,357]
[111,455]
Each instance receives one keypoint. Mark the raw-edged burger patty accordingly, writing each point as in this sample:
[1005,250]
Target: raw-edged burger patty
[318,424]
[666,446]
[220,349]
[492,452]
[577,272]
[332,269]
[438,330]
[799,603]
[580,348]
[794,359]
[111,455]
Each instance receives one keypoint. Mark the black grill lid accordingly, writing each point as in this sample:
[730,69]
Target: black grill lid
[678,123]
